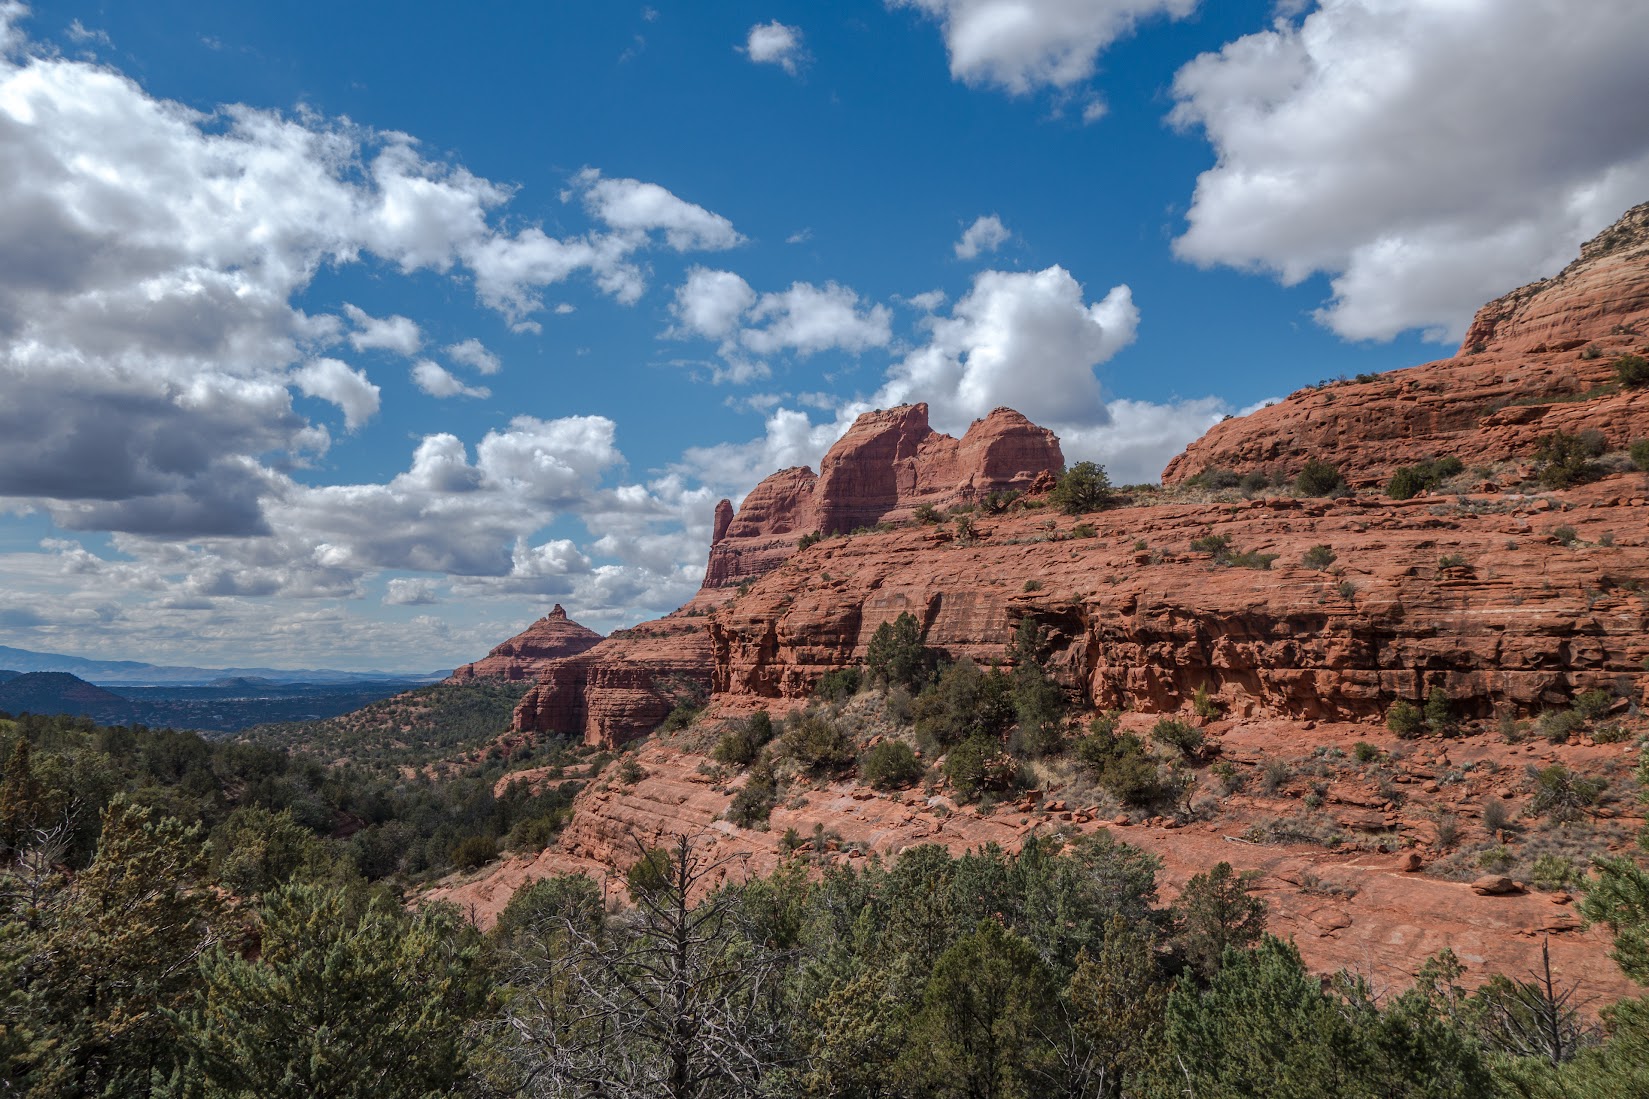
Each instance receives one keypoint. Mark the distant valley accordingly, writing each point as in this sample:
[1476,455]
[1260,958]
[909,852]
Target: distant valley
[211,700]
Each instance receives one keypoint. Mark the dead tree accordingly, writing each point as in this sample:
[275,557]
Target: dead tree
[667,1000]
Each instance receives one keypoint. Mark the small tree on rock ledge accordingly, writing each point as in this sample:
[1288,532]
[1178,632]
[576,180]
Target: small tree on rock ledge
[1083,487]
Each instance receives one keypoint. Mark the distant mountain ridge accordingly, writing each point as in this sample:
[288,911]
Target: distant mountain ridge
[62,693]
[136,673]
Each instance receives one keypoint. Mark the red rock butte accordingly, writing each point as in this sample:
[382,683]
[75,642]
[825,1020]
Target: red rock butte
[1528,360]
[888,464]
[1510,599]
[527,654]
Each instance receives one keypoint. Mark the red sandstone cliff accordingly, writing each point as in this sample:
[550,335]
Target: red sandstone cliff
[888,464]
[623,687]
[529,652]
[1516,378]
[1524,622]
[1510,601]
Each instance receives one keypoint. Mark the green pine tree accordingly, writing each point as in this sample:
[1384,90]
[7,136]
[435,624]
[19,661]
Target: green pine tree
[342,1001]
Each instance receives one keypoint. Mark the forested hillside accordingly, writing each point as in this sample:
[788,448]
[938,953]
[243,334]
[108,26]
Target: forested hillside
[182,918]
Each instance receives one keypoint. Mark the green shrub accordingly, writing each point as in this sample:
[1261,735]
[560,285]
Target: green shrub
[1594,703]
[1439,711]
[1186,739]
[1563,459]
[890,765]
[1319,478]
[1632,370]
[1565,535]
[1410,481]
[1217,546]
[1203,706]
[1084,487]
[1640,454]
[979,764]
[1319,557]
[964,702]
[741,744]
[1347,590]
[1612,733]
[1497,815]
[1253,482]
[1561,795]
[754,802]
[1553,872]
[1121,765]
[811,539]
[815,742]
[1086,530]
[474,851]
[1032,585]
[1364,752]
[629,771]
[1495,858]
[1407,483]
[1251,560]
[1452,561]
[1404,719]
[838,685]
[1275,775]
[927,513]
[683,714]
[651,874]
[1558,726]
[896,656]
[1215,477]
[1231,779]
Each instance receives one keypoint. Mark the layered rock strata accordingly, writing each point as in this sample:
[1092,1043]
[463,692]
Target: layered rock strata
[1526,363]
[623,687]
[888,464]
[553,637]
[1480,596]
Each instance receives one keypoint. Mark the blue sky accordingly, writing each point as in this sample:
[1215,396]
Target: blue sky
[357,335]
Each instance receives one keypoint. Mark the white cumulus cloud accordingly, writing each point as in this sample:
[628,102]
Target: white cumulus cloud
[711,303]
[986,234]
[1427,156]
[396,333]
[808,319]
[474,354]
[775,43]
[1022,45]
[332,380]
[633,206]
[1027,340]
[438,381]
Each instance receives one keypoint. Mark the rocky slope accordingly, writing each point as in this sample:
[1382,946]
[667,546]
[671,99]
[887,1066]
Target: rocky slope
[1477,595]
[888,464]
[1345,908]
[1314,619]
[528,653]
[623,687]
[1533,362]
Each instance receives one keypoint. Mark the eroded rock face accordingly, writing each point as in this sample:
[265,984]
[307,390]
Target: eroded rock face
[1521,621]
[888,464]
[1513,381]
[553,637]
[623,687]
[765,530]
[1383,921]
